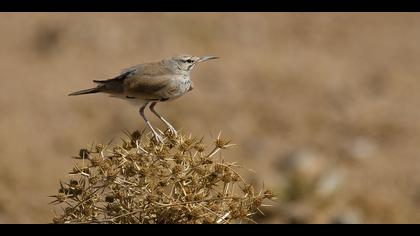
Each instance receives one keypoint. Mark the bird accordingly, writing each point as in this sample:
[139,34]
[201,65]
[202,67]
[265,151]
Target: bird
[151,83]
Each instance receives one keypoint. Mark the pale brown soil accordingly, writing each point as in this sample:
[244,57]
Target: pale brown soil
[342,87]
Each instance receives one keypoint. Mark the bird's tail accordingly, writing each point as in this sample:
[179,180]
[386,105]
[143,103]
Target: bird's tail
[85,91]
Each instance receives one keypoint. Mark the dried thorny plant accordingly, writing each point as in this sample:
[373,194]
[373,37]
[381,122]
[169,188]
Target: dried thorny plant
[142,181]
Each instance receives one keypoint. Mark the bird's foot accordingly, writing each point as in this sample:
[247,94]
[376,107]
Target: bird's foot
[157,138]
[173,131]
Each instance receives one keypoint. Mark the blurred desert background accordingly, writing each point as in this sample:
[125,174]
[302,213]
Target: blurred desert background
[325,107]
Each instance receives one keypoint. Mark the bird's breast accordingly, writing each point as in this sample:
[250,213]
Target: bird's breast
[181,86]
[186,85]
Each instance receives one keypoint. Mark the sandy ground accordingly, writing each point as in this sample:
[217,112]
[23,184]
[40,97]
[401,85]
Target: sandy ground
[332,97]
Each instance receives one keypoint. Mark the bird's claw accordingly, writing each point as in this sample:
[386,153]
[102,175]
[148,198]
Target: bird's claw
[173,131]
[157,138]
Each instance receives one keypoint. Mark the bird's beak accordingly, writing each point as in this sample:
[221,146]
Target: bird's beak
[206,58]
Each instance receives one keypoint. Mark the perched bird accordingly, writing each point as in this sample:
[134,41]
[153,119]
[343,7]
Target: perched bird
[150,83]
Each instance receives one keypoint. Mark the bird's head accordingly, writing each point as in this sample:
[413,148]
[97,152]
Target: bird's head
[186,62]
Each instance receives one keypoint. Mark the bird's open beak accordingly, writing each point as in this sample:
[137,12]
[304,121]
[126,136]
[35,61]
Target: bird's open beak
[206,58]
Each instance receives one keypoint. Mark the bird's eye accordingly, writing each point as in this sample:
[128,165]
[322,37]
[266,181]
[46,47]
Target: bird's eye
[190,61]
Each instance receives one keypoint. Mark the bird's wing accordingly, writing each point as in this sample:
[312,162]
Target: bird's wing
[145,81]
[116,84]
[149,81]
[149,87]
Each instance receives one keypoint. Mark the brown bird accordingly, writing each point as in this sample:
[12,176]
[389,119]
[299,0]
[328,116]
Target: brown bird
[150,83]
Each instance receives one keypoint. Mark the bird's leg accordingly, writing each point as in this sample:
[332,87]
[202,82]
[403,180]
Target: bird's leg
[171,128]
[157,136]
